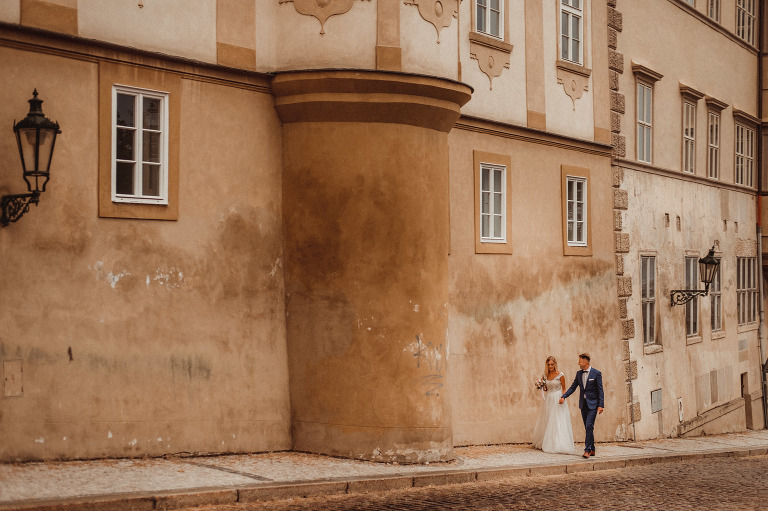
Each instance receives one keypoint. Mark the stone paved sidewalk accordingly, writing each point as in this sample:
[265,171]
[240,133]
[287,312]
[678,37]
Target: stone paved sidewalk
[173,482]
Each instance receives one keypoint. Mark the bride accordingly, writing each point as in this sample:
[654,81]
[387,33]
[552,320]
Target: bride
[553,432]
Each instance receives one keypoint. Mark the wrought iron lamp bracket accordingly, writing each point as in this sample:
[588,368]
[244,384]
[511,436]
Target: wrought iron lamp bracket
[14,206]
[683,296]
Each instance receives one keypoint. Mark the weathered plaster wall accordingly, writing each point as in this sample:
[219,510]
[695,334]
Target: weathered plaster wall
[683,370]
[507,313]
[144,337]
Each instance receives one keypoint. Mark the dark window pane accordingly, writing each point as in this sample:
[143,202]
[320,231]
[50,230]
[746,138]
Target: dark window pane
[150,180]
[125,144]
[151,147]
[124,178]
[151,114]
[125,110]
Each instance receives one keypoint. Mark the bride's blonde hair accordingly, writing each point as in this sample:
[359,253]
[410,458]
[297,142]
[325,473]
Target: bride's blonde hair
[546,369]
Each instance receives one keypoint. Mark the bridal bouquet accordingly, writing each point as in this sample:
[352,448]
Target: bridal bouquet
[541,384]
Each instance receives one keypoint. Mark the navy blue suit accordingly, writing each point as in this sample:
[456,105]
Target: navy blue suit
[590,399]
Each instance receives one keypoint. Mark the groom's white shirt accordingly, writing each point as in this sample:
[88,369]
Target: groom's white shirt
[585,377]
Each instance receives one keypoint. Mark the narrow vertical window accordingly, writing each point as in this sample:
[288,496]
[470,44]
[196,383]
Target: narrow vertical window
[644,122]
[140,146]
[745,20]
[648,296]
[716,303]
[576,210]
[571,30]
[488,17]
[689,137]
[713,9]
[713,153]
[692,307]
[746,290]
[493,203]
[744,150]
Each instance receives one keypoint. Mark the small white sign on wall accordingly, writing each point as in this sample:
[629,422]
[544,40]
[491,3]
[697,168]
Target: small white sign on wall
[656,401]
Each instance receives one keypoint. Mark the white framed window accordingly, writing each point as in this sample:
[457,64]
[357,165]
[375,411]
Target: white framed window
[139,145]
[692,307]
[713,152]
[576,211]
[644,121]
[689,2]
[689,137]
[493,207]
[713,9]
[745,20]
[489,17]
[744,152]
[572,31]
[648,296]
[746,290]
[716,302]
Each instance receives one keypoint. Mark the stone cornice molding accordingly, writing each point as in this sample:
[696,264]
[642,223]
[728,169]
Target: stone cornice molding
[369,96]
[742,116]
[715,104]
[690,93]
[646,73]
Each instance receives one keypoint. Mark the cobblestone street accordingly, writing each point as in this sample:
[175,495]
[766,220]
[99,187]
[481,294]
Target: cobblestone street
[713,483]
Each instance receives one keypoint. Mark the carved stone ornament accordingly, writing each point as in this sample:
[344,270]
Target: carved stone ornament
[437,12]
[574,79]
[321,9]
[492,58]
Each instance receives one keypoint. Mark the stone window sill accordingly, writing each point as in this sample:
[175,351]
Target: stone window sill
[650,349]
[718,335]
[573,68]
[491,42]
[696,339]
[746,328]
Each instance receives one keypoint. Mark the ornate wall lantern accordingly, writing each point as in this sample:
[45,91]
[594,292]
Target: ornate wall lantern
[708,267]
[36,138]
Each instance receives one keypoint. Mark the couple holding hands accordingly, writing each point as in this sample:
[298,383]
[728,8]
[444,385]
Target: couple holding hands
[553,432]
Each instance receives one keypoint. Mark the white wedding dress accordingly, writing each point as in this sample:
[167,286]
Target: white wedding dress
[553,432]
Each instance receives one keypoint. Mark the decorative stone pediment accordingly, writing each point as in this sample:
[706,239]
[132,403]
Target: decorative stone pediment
[574,79]
[492,56]
[438,12]
[321,9]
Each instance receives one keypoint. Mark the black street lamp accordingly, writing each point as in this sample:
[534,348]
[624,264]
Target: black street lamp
[708,267]
[36,138]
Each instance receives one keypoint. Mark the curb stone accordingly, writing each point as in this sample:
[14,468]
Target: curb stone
[167,501]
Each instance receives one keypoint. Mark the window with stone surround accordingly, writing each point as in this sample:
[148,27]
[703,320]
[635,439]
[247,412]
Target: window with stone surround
[648,297]
[713,141]
[139,118]
[644,122]
[692,307]
[572,31]
[744,155]
[492,204]
[746,290]
[713,9]
[577,232]
[689,137]
[716,301]
[745,20]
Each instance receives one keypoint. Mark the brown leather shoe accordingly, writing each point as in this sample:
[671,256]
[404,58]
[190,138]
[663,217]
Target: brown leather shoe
[586,454]
[591,453]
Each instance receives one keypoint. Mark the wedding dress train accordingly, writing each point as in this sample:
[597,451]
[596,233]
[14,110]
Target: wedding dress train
[553,432]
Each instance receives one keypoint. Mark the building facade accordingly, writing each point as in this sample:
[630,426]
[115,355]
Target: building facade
[359,227]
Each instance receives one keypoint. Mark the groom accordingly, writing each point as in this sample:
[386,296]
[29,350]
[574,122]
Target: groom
[590,383]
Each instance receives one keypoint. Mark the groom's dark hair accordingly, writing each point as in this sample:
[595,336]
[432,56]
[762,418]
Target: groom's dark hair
[585,356]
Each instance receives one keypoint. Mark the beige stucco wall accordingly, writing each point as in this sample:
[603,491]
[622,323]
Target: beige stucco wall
[174,27]
[508,312]
[10,11]
[730,75]
[141,337]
